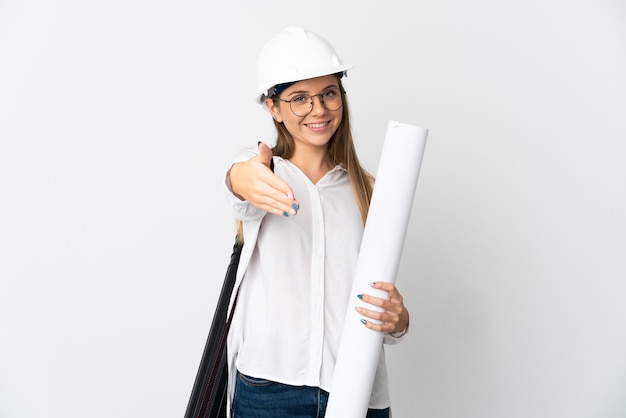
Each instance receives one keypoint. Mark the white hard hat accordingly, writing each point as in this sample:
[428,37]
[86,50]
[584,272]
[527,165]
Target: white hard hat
[295,54]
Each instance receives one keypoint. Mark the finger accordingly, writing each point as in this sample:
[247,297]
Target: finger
[392,307]
[279,200]
[280,209]
[254,181]
[374,315]
[283,195]
[386,286]
[375,301]
[389,317]
[281,191]
[379,321]
[265,153]
[384,327]
[265,157]
[268,191]
[391,289]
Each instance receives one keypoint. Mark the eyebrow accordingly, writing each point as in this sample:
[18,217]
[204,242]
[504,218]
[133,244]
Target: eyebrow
[307,92]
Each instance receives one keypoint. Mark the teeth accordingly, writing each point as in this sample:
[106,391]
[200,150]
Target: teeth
[317,125]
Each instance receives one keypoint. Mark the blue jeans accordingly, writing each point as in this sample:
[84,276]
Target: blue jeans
[260,398]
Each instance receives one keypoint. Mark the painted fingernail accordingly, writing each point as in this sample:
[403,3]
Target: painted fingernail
[285,214]
[373,284]
[360,296]
[295,206]
[289,196]
[357,308]
[363,321]
[292,212]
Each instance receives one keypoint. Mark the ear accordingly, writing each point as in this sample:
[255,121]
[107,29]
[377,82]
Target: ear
[273,109]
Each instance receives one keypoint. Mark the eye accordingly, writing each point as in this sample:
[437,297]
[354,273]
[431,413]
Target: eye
[301,99]
[330,93]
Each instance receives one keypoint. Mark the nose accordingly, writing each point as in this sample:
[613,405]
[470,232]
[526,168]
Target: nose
[318,107]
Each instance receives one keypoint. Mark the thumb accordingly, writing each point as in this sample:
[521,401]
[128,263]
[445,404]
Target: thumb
[265,153]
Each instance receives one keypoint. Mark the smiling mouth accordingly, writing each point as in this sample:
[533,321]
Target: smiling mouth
[317,125]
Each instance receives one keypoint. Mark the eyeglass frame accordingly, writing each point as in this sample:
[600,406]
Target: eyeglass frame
[321,95]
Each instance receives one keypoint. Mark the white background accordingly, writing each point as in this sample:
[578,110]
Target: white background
[118,118]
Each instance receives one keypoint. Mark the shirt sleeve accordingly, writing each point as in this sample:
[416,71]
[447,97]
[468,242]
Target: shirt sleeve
[242,210]
[393,338]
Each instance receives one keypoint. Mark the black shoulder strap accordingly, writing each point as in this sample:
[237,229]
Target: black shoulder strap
[208,396]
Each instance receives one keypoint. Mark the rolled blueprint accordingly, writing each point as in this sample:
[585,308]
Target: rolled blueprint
[379,258]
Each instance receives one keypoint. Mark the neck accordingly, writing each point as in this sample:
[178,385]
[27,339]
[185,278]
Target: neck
[314,163]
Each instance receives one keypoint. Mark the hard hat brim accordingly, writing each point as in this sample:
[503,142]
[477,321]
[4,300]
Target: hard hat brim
[263,93]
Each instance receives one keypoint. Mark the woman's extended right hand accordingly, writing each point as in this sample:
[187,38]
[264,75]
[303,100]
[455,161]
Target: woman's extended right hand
[254,181]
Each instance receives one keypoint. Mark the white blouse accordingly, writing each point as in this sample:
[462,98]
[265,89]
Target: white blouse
[292,303]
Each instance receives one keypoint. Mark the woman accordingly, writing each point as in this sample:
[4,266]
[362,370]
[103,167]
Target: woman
[302,207]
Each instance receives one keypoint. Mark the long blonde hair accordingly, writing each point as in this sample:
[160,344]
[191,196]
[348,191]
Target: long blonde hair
[341,151]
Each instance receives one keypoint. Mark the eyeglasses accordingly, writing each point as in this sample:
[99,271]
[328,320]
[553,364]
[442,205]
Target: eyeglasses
[302,104]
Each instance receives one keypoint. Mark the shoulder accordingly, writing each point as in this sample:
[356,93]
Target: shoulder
[246,154]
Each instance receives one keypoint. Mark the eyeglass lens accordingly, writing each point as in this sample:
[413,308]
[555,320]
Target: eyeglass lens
[302,104]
